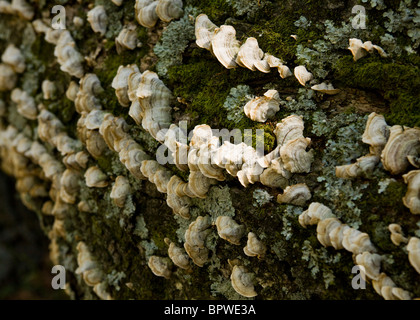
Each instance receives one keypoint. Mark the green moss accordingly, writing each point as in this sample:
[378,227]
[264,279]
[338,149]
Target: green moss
[105,164]
[63,109]
[274,36]
[204,83]
[216,10]
[43,50]
[394,80]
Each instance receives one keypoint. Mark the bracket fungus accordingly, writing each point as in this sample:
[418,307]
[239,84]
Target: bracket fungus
[160,266]
[127,39]
[178,255]
[204,31]
[25,104]
[275,62]
[242,282]
[169,9]
[195,237]
[326,88]
[49,89]
[120,83]
[155,102]
[67,55]
[412,197]
[120,191]
[8,77]
[95,178]
[376,136]
[386,288]
[359,49]
[251,56]
[229,230]
[255,247]
[397,236]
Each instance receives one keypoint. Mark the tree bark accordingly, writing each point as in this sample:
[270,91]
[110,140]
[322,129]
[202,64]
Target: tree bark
[119,240]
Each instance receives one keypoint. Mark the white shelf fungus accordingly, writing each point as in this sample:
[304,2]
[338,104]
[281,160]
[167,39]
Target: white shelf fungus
[25,104]
[413,249]
[160,266]
[127,39]
[262,108]
[204,31]
[145,12]
[229,230]
[326,88]
[412,197]
[359,49]
[178,255]
[225,46]
[397,236]
[297,195]
[251,56]
[303,75]
[98,19]
[169,9]
[120,191]
[254,247]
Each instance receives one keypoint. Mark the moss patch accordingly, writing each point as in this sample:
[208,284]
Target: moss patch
[394,80]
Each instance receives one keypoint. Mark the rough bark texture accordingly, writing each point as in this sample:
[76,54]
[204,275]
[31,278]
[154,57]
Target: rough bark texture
[296,265]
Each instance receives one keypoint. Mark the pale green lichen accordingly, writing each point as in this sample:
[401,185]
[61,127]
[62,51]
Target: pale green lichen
[303,102]
[175,40]
[261,197]
[317,258]
[248,7]
[341,195]
[339,35]
[317,59]
[290,214]
[149,248]
[235,102]
[406,20]
[218,202]
[114,279]
[389,44]
[141,228]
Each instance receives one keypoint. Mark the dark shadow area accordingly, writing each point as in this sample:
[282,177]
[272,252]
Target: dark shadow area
[25,267]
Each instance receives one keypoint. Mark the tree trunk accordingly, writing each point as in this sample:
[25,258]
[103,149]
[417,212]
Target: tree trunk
[66,163]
